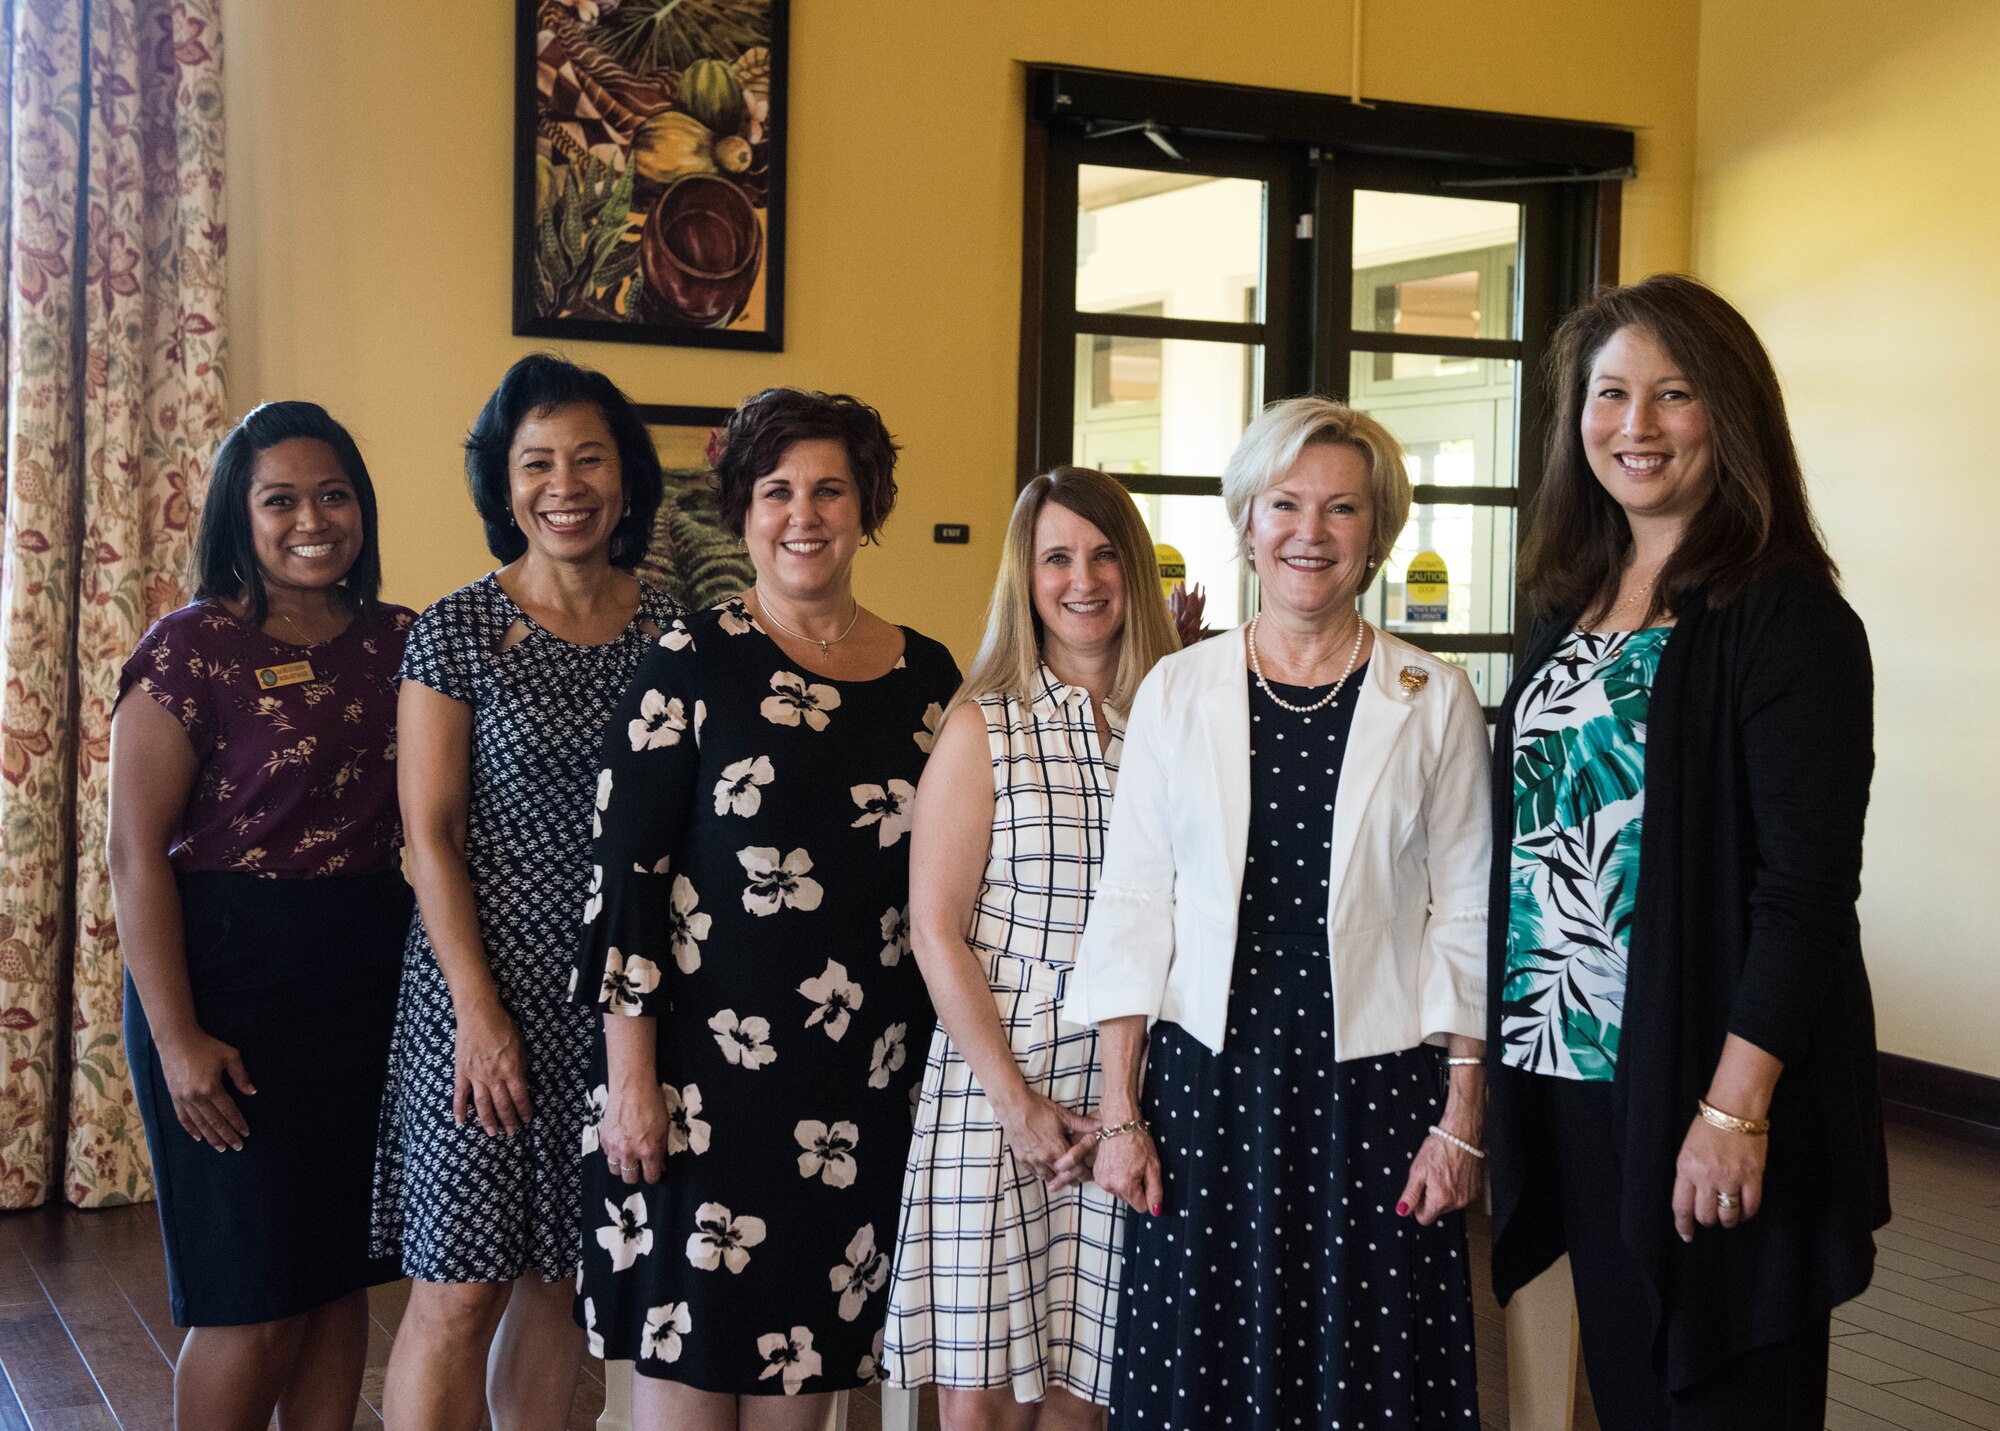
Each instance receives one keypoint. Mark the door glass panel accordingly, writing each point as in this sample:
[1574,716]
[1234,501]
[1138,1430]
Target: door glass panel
[1458,433]
[1490,672]
[1153,406]
[1187,245]
[1433,267]
[1477,545]
[1198,528]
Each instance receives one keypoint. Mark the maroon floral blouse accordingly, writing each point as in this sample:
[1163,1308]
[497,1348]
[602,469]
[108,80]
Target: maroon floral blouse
[297,744]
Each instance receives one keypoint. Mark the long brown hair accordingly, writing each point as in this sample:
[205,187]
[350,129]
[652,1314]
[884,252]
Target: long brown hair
[1011,650]
[1756,519]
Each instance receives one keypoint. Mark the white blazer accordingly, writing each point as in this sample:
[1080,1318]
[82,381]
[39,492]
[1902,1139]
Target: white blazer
[1407,889]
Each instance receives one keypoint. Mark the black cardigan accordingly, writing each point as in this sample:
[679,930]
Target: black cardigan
[1759,750]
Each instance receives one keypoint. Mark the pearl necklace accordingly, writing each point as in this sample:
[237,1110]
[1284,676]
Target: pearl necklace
[765,608]
[1257,667]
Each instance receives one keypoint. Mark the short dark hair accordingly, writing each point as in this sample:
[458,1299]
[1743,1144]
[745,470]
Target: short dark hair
[225,547]
[769,425]
[533,387]
[1755,521]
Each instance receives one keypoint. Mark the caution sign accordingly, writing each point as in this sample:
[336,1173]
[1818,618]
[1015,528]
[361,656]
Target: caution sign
[1173,567]
[1426,588]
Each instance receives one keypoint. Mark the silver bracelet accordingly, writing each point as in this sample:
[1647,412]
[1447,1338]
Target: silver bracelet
[1465,1063]
[1459,1143]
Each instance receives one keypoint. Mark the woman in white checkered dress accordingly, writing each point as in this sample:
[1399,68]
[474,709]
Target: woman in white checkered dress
[1007,1271]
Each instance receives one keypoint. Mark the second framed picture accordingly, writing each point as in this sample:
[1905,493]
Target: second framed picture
[691,554]
[649,171]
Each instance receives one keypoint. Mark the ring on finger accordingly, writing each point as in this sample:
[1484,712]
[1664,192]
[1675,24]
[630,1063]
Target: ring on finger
[1726,1201]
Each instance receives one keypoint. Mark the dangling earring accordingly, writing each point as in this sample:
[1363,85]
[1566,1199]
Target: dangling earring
[1371,563]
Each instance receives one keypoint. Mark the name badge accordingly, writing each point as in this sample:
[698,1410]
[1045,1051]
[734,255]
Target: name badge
[291,674]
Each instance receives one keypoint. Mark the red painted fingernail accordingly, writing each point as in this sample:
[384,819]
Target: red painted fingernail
[1402,1209]
[1156,1209]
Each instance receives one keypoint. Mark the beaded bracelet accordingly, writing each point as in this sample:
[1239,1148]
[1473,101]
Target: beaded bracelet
[1136,1125]
[1459,1143]
[1465,1063]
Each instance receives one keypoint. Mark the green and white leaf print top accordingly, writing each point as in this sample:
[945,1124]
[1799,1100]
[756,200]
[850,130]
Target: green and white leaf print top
[1579,795]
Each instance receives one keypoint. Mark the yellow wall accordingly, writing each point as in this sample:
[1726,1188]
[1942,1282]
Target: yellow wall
[370,204]
[1848,198]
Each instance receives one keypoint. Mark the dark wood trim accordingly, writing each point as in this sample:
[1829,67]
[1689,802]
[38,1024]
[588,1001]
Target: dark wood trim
[1522,144]
[1610,222]
[1465,496]
[1193,330]
[1940,1091]
[1499,644]
[1362,340]
[1034,177]
[1158,485]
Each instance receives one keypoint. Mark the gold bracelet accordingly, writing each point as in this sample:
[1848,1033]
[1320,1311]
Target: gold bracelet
[1730,1123]
[1136,1125]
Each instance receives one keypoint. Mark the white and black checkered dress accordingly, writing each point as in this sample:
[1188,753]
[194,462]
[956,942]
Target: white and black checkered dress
[999,1282]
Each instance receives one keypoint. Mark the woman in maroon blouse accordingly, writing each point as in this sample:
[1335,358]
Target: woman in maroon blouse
[254,861]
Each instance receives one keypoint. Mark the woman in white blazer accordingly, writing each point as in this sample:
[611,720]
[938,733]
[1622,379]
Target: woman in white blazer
[1286,966]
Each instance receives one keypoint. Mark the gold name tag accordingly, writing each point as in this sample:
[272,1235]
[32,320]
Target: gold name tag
[292,674]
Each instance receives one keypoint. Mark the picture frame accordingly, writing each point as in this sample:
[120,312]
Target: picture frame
[690,554]
[649,171]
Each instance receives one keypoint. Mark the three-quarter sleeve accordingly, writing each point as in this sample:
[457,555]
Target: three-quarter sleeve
[1458,836]
[1808,758]
[644,801]
[1128,940]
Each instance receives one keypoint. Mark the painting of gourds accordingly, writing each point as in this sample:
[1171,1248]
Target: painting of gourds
[649,171]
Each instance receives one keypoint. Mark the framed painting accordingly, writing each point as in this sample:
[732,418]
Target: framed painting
[690,554]
[649,171]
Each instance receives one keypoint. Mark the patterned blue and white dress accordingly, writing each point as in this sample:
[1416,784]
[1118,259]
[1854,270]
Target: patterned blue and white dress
[459,1204]
[1000,1282]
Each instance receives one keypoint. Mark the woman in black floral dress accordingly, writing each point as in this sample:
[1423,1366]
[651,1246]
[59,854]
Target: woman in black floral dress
[746,943]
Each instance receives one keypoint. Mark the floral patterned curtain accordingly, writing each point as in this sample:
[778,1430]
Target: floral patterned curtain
[111,127]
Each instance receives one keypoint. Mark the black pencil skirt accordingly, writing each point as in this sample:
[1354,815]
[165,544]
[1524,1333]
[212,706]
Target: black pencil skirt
[300,975]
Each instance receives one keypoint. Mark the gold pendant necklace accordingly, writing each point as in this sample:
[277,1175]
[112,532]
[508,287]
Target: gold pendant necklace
[826,645]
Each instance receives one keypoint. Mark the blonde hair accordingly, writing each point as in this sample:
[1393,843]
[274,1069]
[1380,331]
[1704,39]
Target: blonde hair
[1283,431]
[1010,653]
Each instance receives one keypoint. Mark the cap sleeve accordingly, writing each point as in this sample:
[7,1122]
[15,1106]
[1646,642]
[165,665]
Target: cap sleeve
[441,649]
[170,667]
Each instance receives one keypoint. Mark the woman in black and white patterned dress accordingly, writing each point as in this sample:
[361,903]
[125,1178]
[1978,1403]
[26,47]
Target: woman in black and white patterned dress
[1007,1272]
[1290,922]
[746,947]
[507,684]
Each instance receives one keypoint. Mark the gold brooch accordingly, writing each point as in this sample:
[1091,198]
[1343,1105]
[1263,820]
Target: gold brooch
[1414,679]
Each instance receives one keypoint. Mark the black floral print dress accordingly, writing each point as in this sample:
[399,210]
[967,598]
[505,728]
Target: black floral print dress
[750,889]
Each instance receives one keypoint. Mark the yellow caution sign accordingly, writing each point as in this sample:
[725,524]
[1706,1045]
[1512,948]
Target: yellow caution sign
[1172,565]
[1426,588]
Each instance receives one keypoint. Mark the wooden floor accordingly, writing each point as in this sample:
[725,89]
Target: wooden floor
[86,1341]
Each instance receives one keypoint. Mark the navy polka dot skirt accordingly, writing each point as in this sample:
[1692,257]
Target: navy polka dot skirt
[1278,1288]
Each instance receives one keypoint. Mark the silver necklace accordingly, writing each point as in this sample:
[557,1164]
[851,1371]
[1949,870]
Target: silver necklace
[1257,668]
[824,646]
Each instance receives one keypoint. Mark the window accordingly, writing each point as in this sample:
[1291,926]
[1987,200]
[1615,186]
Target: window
[1197,250]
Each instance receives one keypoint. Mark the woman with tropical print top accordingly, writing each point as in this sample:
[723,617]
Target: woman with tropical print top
[1683,1095]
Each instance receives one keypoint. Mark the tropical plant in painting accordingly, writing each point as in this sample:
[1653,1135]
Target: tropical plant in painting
[654,143]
